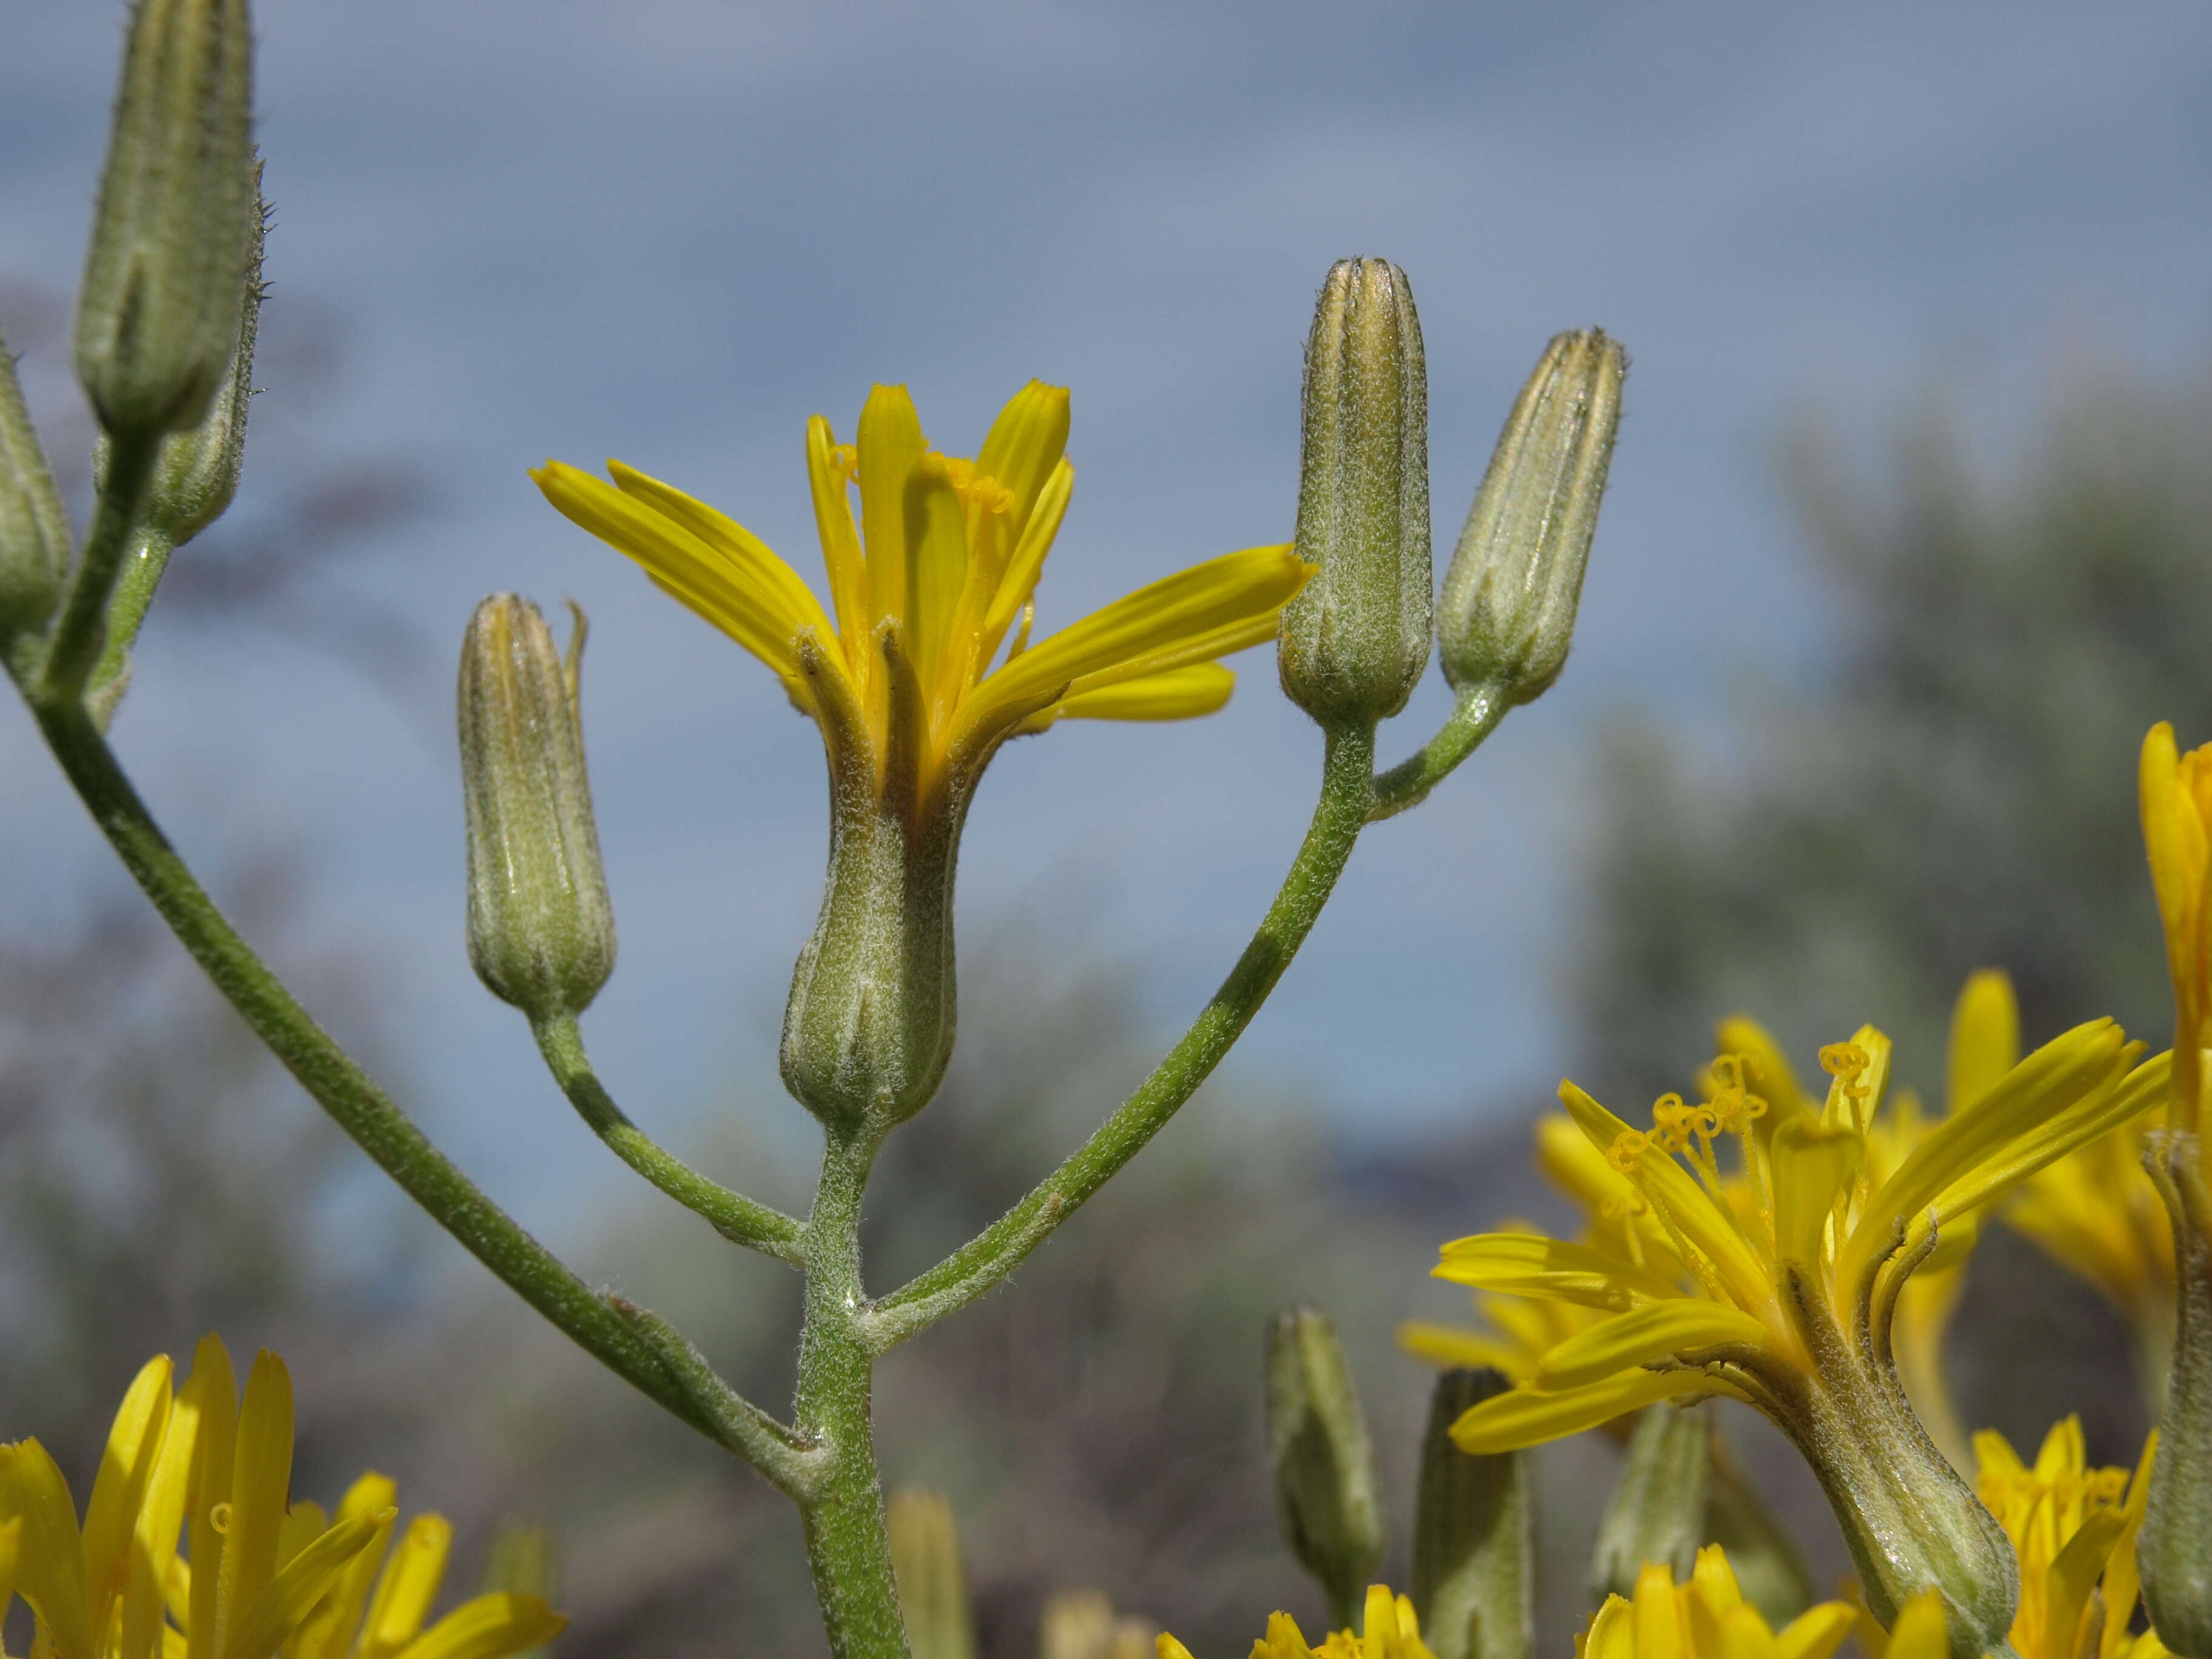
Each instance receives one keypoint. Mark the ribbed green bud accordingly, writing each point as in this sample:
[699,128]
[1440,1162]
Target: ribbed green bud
[1356,640]
[1474,1553]
[1658,1512]
[35,527]
[158,314]
[196,474]
[1325,1488]
[933,1584]
[1507,613]
[541,929]
[2174,1550]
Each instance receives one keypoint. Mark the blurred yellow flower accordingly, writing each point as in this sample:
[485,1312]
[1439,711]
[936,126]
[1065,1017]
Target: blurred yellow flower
[195,1468]
[1389,1631]
[2096,1214]
[1708,1618]
[935,577]
[2073,1529]
[2177,825]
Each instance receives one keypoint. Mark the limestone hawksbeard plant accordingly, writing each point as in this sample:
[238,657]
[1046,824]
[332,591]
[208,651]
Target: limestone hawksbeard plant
[922,656]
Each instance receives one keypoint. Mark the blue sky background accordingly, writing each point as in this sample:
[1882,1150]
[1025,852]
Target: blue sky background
[671,230]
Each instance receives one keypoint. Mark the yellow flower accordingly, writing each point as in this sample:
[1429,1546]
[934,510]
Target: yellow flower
[2096,1214]
[2073,1528]
[1708,1618]
[937,575]
[2177,824]
[254,1573]
[1779,1283]
[1389,1631]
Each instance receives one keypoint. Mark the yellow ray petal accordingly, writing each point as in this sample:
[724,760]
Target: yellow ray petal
[1528,1264]
[291,1595]
[937,571]
[1816,1632]
[408,1587]
[50,1560]
[214,1388]
[134,1445]
[260,1483]
[748,604]
[840,536]
[1655,1331]
[1228,592]
[1449,1346]
[1527,1416]
[1920,1632]
[2097,1114]
[159,1519]
[1742,1635]
[1611,1633]
[746,553]
[328,1631]
[1812,1163]
[11,1553]
[489,1627]
[1019,579]
[1181,694]
[889,443]
[1025,444]
[1984,1038]
[2052,1079]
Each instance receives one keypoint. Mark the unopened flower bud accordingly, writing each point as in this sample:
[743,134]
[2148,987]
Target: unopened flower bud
[34,528]
[541,929]
[1474,1554]
[197,474]
[1325,1489]
[158,316]
[932,1585]
[1507,613]
[1658,1512]
[1356,640]
[2174,1550]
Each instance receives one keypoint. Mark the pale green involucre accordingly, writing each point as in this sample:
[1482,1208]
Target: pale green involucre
[158,314]
[34,528]
[541,927]
[1356,640]
[2174,1551]
[1326,1495]
[1507,613]
[1475,1550]
[1658,1512]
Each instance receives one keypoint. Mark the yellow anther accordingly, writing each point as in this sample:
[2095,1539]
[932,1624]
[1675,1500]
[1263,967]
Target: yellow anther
[845,462]
[219,1517]
[958,473]
[1622,1206]
[1627,1147]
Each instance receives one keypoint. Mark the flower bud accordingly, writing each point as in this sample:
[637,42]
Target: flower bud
[1474,1554]
[541,929]
[1657,1515]
[1355,641]
[932,1585]
[35,527]
[158,315]
[1507,613]
[197,474]
[2174,1550]
[1325,1489]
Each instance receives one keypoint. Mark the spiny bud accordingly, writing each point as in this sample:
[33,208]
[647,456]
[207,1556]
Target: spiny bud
[1325,1488]
[541,929]
[1657,1513]
[932,1585]
[34,528]
[1507,613]
[158,316]
[1355,641]
[1474,1554]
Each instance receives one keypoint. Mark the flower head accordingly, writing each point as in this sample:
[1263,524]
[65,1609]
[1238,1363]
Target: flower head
[2073,1528]
[929,585]
[1390,1630]
[1708,1617]
[190,1546]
